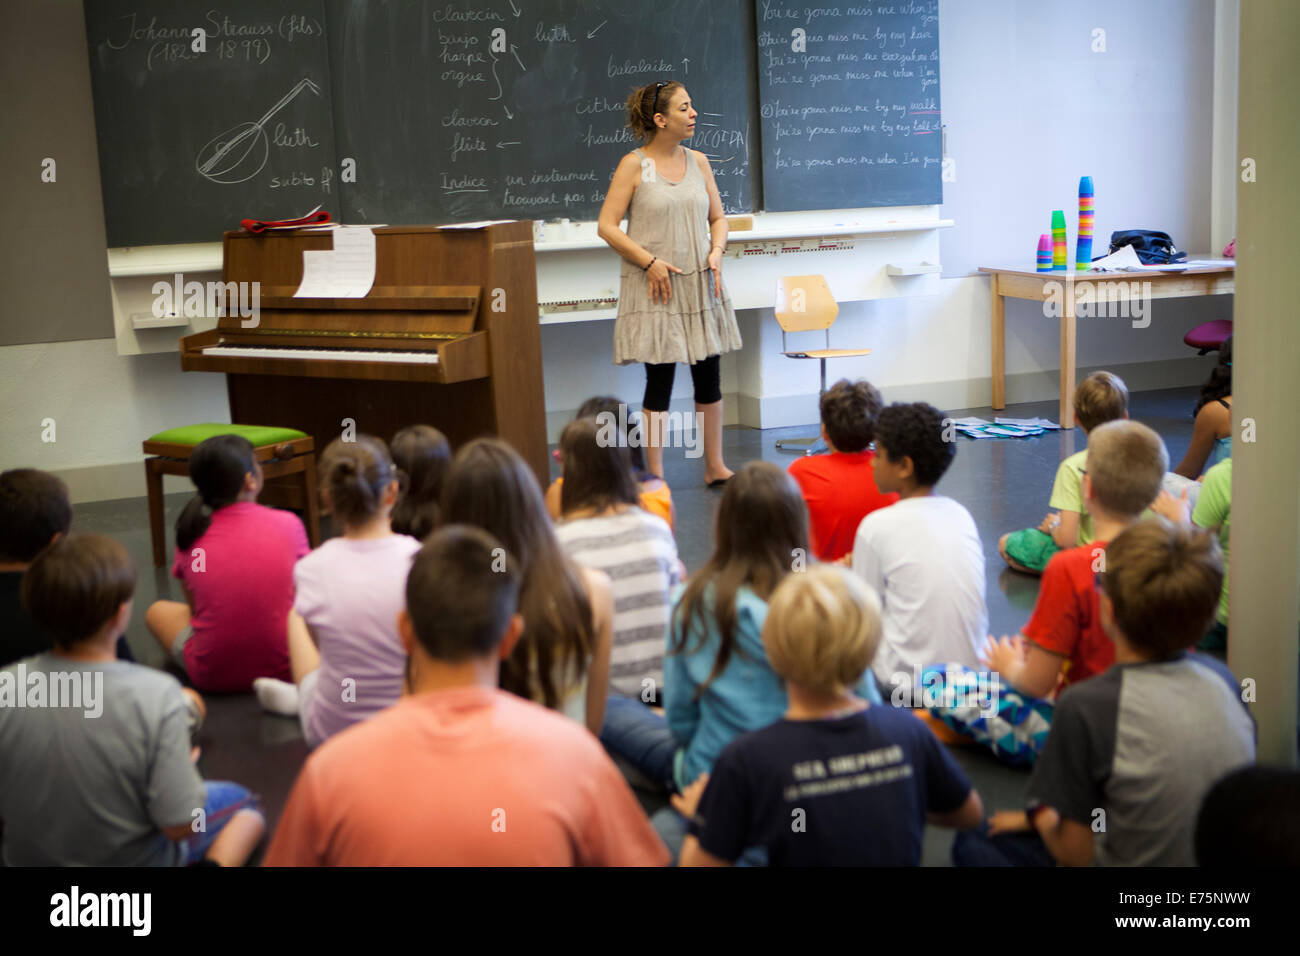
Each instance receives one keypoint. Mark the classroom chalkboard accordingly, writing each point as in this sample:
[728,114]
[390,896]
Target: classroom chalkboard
[192,140]
[417,111]
[484,109]
[849,100]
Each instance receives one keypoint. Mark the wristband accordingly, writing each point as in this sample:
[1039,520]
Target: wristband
[653,260]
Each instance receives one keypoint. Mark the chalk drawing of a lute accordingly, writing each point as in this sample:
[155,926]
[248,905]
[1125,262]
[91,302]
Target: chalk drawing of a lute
[239,153]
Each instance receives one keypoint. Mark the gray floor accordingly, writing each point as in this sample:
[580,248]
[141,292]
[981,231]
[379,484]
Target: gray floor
[1004,483]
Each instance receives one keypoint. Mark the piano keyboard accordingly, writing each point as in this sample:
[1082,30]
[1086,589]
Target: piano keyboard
[325,355]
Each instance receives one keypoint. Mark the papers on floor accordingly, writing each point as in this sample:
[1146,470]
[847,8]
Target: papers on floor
[345,272]
[973,427]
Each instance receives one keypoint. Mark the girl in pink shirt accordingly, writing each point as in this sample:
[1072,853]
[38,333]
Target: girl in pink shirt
[347,658]
[234,559]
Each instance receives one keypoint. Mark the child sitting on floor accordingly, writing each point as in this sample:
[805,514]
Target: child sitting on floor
[1063,643]
[1133,751]
[234,559]
[347,658]
[1213,511]
[99,773]
[422,456]
[604,528]
[836,781]
[1099,398]
[34,513]
[717,681]
[562,661]
[1212,429]
[460,773]
[613,417]
[922,555]
[840,488]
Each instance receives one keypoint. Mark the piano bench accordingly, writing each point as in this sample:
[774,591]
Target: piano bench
[282,453]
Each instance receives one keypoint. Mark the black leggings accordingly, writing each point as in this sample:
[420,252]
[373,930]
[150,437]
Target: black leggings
[705,374]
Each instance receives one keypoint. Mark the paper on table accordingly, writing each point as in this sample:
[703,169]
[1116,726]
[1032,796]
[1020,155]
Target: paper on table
[345,272]
[1120,260]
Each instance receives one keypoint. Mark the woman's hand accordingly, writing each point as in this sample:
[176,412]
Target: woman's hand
[659,276]
[715,265]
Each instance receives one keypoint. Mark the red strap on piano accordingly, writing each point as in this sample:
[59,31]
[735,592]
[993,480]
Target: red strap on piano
[258,226]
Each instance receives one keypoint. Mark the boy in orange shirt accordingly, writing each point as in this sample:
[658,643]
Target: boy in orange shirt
[1063,642]
[459,772]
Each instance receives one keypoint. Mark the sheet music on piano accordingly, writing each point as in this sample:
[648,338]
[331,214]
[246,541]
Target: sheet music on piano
[345,272]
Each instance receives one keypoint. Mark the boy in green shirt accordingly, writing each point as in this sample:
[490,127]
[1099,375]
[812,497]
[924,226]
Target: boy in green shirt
[1212,512]
[1101,397]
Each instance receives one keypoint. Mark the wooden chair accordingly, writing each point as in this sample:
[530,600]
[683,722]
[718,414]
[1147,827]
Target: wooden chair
[282,453]
[805,304]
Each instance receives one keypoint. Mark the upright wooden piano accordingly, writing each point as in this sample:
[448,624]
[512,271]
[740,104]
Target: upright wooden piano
[448,336]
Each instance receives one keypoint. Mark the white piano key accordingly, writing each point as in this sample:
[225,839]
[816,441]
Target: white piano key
[324,355]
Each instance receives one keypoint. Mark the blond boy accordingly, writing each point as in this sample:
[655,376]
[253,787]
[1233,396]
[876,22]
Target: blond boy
[836,781]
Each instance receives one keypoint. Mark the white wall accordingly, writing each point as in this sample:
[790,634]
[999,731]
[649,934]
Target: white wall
[1137,118]
[103,405]
[1029,108]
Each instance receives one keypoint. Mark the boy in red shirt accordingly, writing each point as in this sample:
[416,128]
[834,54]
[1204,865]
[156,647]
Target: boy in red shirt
[1063,642]
[459,772]
[840,488]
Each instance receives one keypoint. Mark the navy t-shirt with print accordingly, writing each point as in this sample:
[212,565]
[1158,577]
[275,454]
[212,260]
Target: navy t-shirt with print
[848,791]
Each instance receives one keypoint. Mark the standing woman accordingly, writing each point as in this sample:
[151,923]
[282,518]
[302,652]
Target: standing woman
[672,305]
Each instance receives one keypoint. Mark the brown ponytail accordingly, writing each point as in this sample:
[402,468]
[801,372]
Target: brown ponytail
[642,105]
[355,476]
[422,456]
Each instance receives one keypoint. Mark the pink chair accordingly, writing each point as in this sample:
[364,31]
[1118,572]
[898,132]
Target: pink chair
[1209,336]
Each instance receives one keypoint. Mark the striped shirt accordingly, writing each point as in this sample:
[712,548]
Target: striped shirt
[637,551]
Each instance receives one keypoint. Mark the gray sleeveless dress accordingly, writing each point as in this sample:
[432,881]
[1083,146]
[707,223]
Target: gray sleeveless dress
[671,220]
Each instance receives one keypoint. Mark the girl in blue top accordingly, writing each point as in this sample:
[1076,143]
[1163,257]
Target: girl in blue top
[717,681]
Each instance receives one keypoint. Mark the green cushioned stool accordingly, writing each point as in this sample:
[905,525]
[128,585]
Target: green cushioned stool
[280,451]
